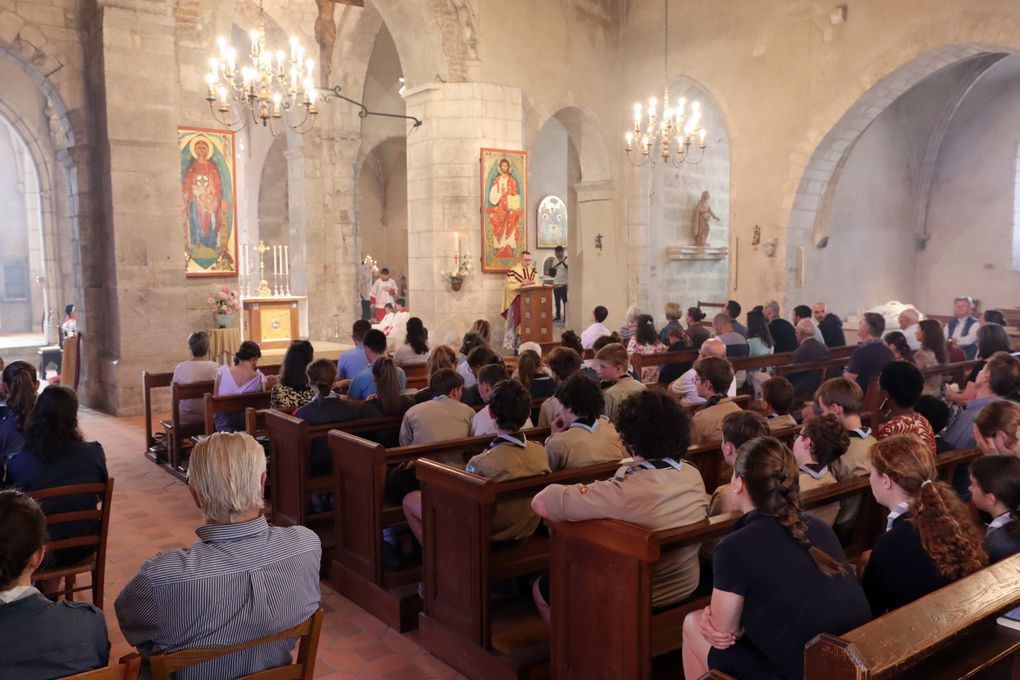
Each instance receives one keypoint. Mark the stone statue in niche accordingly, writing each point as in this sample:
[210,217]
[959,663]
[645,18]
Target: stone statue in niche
[325,35]
[702,214]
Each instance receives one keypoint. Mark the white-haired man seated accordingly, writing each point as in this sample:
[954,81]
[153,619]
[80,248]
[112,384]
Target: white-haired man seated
[243,580]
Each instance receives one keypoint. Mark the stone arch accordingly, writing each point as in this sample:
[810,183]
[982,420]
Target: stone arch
[426,33]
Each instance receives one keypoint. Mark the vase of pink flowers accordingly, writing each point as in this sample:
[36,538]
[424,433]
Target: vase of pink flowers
[223,305]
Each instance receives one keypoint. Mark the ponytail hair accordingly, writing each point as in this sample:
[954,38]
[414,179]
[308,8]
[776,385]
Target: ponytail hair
[387,385]
[772,479]
[949,535]
[20,380]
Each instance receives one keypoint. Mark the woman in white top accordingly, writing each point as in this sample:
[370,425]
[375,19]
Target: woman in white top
[196,369]
[415,350]
[241,378]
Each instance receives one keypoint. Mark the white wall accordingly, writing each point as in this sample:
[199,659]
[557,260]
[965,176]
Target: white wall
[547,175]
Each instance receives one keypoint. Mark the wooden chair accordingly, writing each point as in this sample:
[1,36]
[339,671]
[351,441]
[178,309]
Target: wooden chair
[128,669]
[179,433]
[164,665]
[96,565]
[70,369]
[155,447]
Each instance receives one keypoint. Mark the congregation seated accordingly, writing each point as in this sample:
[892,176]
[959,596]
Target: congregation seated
[777,400]
[821,441]
[483,423]
[243,579]
[21,385]
[995,490]
[509,456]
[732,312]
[714,376]
[531,372]
[803,313]
[784,338]
[471,340]
[325,407]
[998,379]
[241,378]
[440,357]
[997,429]
[196,369]
[931,538]
[992,316]
[581,434]
[809,351]
[736,343]
[909,320]
[737,429]
[56,454]
[657,490]
[930,353]
[903,383]
[363,385]
[679,341]
[387,401]
[961,331]
[596,330]
[415,350]
[830,325]
[563,362]
[354,360]
[759,343]
[629,329]
[646,341]
[441,418]
[937,413]
[991,338]
[897,343]
[686,386]
[770,573]
[612,364]
[293,390]
[42,639]
[872,354]
[699,334]
[672,313]
[479,357]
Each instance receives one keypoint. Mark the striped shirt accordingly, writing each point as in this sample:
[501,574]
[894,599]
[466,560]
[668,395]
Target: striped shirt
[240,582]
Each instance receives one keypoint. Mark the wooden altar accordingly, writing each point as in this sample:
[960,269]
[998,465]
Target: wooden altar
[272,322]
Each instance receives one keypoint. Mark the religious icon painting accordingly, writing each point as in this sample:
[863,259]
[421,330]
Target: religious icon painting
[504,208]
[552,222]
[208,204]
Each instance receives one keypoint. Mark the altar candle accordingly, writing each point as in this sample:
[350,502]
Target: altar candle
[276,261]
[286,260]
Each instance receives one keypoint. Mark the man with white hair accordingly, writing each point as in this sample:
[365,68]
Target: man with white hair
[686,386]
[909,323]
[243,580]
[809,351]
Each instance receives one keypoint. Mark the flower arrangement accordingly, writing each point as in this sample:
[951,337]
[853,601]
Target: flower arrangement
[224,302]
[461,270]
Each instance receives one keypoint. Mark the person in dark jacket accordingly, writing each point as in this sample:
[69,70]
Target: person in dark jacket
[995,490]
[830,325]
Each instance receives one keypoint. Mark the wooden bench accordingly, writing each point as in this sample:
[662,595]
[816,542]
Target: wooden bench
[830,368]
[230,404]
[359,477]
[615,559]
[417,376]
[952,373]
[950,633]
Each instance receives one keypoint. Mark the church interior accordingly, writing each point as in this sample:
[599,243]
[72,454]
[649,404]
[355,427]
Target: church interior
[680,201]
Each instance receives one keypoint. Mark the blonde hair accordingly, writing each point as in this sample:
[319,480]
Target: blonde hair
[615,354]
[673,311]
[225,472]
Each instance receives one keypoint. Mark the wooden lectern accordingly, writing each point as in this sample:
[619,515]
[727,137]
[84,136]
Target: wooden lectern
[536,314]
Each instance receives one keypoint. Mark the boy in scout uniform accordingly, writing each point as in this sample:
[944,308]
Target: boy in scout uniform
[581,434]
[821,441]
[777,398]
[714,375]
[737,428]
[612,363]
[657,490]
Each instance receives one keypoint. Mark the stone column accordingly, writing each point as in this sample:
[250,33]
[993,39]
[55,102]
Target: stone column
[146,317]
[596,214]
[444,197]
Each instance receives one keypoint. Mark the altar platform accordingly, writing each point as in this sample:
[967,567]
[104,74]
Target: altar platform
[324,349]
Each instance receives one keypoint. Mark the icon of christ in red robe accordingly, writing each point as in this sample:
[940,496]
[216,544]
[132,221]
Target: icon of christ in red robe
[505,211]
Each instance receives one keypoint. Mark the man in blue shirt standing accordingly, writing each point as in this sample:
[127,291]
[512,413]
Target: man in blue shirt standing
[353,361]
[363,385]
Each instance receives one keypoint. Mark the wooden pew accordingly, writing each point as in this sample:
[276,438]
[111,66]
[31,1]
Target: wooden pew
[950,633]
[178,433]
[837,355]
[952,373]
[417,376]
[359,480]
[460,624]
[614,559]
[830,368]
[232,403]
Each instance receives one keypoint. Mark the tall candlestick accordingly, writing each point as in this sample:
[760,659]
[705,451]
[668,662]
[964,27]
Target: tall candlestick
[286,261]
[276,260]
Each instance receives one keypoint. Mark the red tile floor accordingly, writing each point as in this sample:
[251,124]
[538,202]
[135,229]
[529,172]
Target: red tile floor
[152,511]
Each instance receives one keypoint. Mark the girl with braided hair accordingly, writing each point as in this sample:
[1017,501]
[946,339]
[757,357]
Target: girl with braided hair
[779,578]
[931,538]
[995,489]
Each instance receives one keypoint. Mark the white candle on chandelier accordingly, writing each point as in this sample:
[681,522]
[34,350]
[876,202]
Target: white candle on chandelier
[310,67]
[280,57]
[293,47]
[210,80]
[254,35]
[701,138]
[277,98]
[221,44]
[629,138]
[223,98]
[309,91]
[231,58]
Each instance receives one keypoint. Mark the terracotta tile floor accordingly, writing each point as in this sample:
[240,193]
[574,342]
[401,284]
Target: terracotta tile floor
[152,511]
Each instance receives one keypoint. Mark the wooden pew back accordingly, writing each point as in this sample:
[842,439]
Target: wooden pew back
[417,376]
[232,403]
[152,381]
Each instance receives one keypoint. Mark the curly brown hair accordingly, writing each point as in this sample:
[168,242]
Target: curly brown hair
[829,439]
[949,534]
[770,473]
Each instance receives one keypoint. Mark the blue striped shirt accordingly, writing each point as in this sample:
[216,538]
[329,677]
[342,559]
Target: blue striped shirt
[240,582]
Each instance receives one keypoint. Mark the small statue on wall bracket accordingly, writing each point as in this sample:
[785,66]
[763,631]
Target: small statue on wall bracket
[598,242]
[702,214]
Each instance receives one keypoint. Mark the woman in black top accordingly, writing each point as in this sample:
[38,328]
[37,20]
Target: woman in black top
[995,490]
[930,540]
[21,386]
[325,407]
[532,375]
[780,578]
[56,454]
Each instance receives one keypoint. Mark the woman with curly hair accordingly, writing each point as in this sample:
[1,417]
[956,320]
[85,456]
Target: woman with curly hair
[646,341]
[931,354]
[780,578]
[931,538]
[659,491]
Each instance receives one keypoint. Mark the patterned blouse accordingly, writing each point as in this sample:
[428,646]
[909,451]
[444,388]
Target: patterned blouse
[914,424]
[288,399]
[649,374]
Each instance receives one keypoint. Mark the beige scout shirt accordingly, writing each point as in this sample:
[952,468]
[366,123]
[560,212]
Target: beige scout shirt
[706,425]
[619,392]
[439,419]
[654,499]
[783,422]
[853,463]
[581,445]
[511,458]
[811,479]
[550,411]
